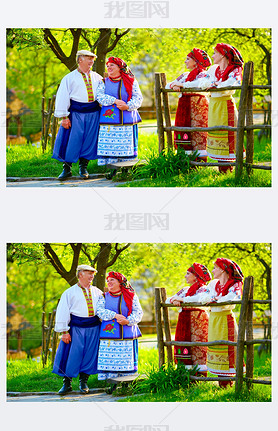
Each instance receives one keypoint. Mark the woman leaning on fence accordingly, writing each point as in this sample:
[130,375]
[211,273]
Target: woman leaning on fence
[192,108]
[222,324]
[222,109]
[193,321]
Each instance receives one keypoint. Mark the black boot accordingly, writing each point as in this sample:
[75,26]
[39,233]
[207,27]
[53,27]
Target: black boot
[66,386]
[83,387]
[66,172]
[83,173]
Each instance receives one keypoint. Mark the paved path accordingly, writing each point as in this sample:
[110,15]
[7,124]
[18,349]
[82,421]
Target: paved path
[53,182]
[98,396]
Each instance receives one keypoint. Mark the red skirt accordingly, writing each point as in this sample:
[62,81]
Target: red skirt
[192,111]
[192,326]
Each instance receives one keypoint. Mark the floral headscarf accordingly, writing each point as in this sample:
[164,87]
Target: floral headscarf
[202,274]
[202,62]
[234,57]
[127,290]
[234,272]
[126,74]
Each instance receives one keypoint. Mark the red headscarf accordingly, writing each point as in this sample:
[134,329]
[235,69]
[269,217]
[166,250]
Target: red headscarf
[126,74]
[202,274]
[202,62]
[234,57]
[126,289]
[234,272]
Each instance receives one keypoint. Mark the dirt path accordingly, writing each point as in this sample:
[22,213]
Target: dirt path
[94,396]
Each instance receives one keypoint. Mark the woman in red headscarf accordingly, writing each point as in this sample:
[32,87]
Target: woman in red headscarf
[193,321]
[222,324]
[222,109]
[120,97]
[120,312]
[192,108]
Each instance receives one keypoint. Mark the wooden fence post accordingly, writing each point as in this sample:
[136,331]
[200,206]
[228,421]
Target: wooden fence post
[160,129]
[249,337]
[241,335]
[167,113]
[160,342]
[249,122]
[51,103]
[167,327]
[43,337]
[43,124]
[241,120]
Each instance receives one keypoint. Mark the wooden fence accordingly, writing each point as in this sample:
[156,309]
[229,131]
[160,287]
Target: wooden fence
[245,120]
[49,337]
[49,123]
[245,327]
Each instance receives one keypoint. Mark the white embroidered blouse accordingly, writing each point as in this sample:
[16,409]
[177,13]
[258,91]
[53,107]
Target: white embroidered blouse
[105,99]
[73,87]
[106,314]
[73,302]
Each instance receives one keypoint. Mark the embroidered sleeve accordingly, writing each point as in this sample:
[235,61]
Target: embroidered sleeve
[202,81]
[234,79]
[234,293]
[102,312]
[62,314]
[62,101]
[179,80]
[101,97]
[136,99]
[202,296]
[179,296]
[137,312]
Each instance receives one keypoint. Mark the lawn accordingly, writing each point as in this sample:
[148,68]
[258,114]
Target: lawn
[29,376]
[29,161]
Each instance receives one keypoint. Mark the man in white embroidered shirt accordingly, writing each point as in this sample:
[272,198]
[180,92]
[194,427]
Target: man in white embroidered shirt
[76,320]
[76,106]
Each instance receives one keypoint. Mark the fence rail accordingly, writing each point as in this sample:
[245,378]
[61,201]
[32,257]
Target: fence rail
[245,335]
[245,120]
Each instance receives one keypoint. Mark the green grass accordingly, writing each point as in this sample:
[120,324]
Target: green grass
[205,177]
[29,161]
[164,387]
[205,392]
[30,376]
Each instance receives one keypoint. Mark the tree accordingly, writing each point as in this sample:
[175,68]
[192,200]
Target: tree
[64,43]
[62,256]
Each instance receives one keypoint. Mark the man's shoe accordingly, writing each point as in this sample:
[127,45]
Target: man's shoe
[66,172]
[83,387]
[83,173]
[66,386]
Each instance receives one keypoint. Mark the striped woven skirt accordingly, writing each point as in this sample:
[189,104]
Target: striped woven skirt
[192,111]
[221,358]
[222,143]
[192,326]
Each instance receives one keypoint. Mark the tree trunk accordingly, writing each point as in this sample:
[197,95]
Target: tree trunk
[102,49]
[102,264]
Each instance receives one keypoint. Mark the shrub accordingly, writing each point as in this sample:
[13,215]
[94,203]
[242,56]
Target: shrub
[166,164]
[168,378]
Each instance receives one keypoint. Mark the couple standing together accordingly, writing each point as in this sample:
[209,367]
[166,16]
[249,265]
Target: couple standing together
[99,330]
[99,116]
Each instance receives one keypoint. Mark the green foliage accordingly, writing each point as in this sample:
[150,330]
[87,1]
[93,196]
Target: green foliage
[168,378]
[206,177]
[166,164]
